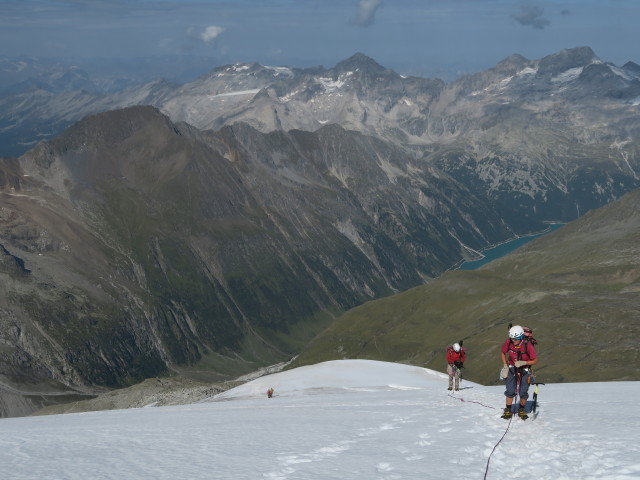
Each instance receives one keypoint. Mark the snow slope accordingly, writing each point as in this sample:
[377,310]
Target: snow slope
[349,419]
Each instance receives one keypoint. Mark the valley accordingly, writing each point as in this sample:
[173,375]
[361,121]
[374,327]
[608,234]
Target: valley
[204,231]
[498,251]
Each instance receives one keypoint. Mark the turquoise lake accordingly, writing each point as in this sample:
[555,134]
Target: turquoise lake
[504,248]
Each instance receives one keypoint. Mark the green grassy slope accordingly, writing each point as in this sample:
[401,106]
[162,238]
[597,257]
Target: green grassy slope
[576,288]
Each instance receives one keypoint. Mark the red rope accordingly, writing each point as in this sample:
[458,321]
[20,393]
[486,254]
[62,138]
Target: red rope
[472,401]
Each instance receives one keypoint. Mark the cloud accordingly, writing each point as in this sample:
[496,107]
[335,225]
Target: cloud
[366,12]
[210,33]
[198,37]
[531,16]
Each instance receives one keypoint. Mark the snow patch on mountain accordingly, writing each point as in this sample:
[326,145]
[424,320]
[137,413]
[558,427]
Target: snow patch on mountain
[330,85]
[621,73]
[504,82]
[568,75]
[241,92]
[527,71]
[285,71]
[238,67]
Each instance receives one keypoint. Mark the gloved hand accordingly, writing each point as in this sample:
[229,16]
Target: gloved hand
[519,363]
[504,373]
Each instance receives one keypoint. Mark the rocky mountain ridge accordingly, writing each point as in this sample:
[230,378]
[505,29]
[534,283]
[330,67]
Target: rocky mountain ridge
[577,289]
[358,94]
[561,131]
[132,245]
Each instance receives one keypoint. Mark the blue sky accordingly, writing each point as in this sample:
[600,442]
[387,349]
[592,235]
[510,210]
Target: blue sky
[422,37]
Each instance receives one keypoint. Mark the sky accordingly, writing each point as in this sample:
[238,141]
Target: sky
[346,420]
[419,37]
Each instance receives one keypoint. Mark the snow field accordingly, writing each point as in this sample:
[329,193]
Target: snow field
[350,419]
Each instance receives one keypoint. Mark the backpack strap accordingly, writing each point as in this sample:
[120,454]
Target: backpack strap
[518,352]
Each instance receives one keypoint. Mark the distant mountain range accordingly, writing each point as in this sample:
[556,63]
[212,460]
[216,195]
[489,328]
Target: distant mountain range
[215,227]
[23,73]
[545,139]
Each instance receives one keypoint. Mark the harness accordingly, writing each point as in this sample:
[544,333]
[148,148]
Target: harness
[523,349]
[452,353]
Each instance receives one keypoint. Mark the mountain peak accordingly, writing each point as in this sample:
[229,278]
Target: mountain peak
[359,61]
[512,63]
[567,59]
[111,126]
[632,66]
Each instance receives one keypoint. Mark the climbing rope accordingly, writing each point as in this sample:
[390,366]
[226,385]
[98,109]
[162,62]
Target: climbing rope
[486,472]
[472,401]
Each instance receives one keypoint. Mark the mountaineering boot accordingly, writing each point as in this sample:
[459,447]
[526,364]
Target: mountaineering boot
[507,413]
[522,414]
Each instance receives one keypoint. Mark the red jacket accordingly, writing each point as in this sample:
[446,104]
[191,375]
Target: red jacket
[455,357]
[525,351]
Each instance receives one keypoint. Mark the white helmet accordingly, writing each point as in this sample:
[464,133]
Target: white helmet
[516,332]
[456,347]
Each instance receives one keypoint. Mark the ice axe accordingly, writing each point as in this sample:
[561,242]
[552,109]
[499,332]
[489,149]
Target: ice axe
[535,398]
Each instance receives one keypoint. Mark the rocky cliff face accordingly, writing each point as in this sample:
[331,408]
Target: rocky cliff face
[132,244]
[552,138]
